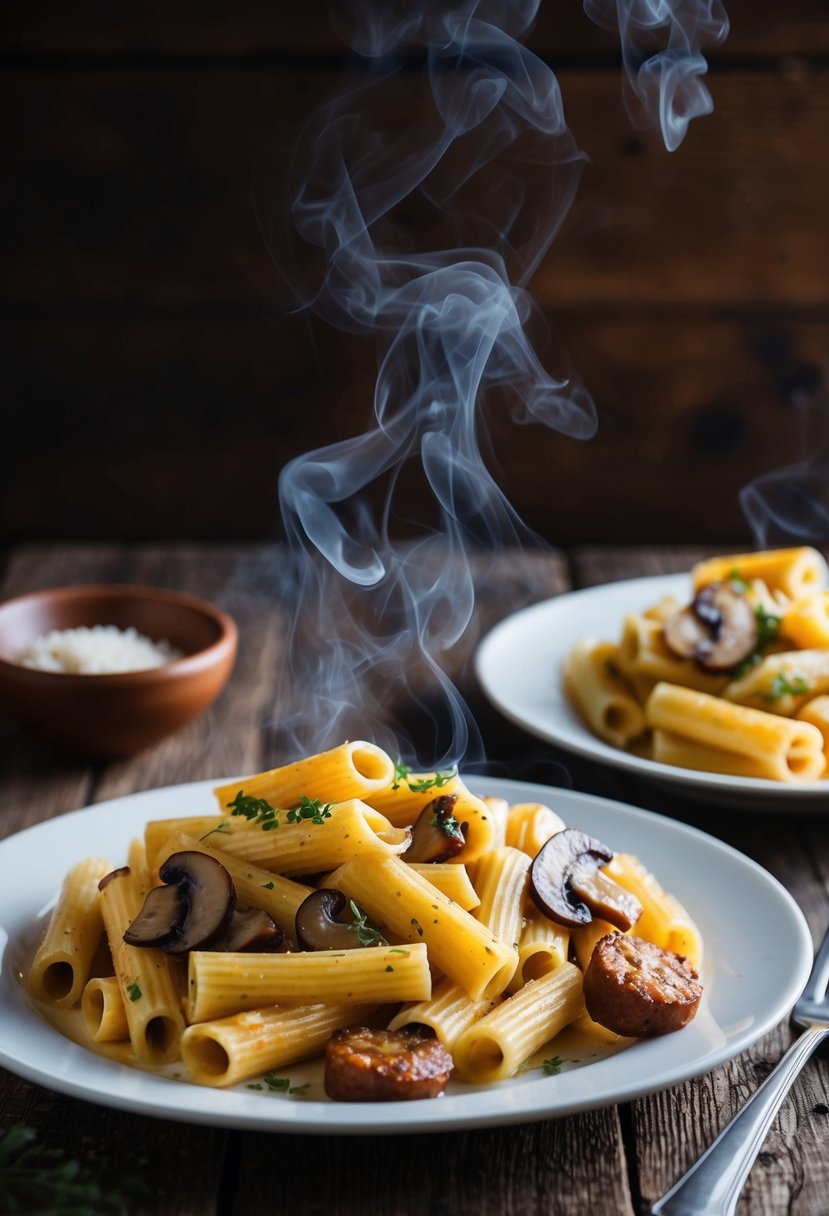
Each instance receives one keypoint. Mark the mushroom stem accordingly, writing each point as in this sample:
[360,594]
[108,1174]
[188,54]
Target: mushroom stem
[604,897]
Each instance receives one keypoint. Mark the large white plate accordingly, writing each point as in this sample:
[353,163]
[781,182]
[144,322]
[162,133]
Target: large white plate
[520,664]
[758,955]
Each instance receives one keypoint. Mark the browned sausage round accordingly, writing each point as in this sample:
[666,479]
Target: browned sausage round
[363,1065]
[635,988]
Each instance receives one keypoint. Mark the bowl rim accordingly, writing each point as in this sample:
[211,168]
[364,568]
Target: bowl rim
[189,664]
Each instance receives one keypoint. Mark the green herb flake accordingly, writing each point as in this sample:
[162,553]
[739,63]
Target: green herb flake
[224,827]
[782,686]
[268,886]
[389,967]
[134,991]
[738,582]
[257,810]
[309,809]
[552,1067]
[416,925]
[281,1085]
[366,936]
[256,1085]
[768,626]
[420,785]
[398,950]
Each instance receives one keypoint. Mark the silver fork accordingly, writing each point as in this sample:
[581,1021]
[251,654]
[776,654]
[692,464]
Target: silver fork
[712,1186]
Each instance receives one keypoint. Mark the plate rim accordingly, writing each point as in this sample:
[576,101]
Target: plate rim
[239,1110]
[579,741]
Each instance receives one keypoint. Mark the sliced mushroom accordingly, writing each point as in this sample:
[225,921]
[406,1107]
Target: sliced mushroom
[160,917]
[437,835]
[566,885]
[719,628]
[318,926]
[250,930]
[204,903]
[107,878]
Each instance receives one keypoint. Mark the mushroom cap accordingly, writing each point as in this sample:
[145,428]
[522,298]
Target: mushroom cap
[436,833]
[209,895]
[161,916]
[250,930]
[718,629]
[317,926]
[553,868]
[192,908]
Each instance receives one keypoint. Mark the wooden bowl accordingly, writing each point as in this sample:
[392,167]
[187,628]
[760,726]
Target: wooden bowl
[114,714]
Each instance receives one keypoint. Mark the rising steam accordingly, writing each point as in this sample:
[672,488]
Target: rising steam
[452,115]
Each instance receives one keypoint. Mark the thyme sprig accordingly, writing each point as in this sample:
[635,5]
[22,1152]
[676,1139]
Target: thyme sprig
[366,936]
[421,784]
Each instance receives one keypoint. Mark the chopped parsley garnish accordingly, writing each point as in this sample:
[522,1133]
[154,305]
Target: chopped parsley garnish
[552,1067]
[366,936]
[309,808]
[768,626]
[449,825]
[738,582]
[268,886]
[279,1085]
[782,686]
[259,810]
[134,991]
[768,630]
[421,784]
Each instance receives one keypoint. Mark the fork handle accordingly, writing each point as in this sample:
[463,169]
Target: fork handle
[712,1186]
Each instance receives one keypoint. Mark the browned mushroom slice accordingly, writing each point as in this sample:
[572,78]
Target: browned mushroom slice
[436,835]
[317,923]
[363,1065]
[719,629]
[567,885]
[160,918]
[203,889]
[250,930]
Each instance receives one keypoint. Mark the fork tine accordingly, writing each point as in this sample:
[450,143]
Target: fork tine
[818,981]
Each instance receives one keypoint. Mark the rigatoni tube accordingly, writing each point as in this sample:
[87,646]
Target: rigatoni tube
[782,749]
[352,770]
[221,983]
[103,1012]
[395,895]
[61,965]
[234,1049]
[496,1046]
[145,974]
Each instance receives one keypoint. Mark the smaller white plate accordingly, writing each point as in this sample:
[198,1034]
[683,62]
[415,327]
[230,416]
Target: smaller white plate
[758,953]
[520,665]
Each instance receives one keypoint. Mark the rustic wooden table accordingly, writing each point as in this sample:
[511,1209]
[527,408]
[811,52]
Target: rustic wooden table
[611,1161]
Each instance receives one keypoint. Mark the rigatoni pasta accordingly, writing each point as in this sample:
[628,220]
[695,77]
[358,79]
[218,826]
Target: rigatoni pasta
[724,683]
[217,927]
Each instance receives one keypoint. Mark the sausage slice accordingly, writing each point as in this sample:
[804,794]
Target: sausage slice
[363,1065]
[636,988]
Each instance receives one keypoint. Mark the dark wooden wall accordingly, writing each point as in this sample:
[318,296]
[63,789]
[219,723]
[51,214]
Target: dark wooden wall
[153,385]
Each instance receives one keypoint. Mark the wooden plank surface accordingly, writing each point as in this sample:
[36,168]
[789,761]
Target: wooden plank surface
[132,188]
[609,1160]
[208,410]
[255,27]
